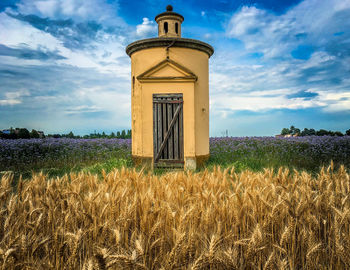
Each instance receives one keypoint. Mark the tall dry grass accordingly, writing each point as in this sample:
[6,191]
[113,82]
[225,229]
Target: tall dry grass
[207,220]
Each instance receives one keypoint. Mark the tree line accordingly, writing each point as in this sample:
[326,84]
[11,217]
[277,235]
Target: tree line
[23,133]
[312,132]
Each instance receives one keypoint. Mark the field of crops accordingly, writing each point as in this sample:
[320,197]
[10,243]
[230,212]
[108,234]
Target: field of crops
[59,156]
[62,155]
[216,219]
[302,153]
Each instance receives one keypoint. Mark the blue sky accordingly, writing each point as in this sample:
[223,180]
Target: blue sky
[277,63]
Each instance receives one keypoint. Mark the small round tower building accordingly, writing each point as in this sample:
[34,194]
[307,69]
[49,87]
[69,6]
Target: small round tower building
[170,97]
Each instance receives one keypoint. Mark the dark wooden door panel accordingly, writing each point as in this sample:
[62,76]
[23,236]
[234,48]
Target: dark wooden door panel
[168,128]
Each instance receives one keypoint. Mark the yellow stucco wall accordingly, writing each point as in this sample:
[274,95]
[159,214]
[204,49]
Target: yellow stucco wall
[195,96]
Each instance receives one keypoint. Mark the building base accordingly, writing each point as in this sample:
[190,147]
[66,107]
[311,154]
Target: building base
[197,162]
[142,161]
[191,163]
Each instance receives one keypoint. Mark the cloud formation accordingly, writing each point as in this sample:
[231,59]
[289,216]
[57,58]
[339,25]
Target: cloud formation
[302,55]
[63,64]
[146,29]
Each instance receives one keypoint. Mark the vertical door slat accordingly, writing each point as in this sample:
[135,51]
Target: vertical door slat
[181,139]
[159,127]
[170,140]
[155,135]
[176,136]
[165,129]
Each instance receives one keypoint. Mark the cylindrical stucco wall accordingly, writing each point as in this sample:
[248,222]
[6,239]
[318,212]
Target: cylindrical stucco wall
[195,96]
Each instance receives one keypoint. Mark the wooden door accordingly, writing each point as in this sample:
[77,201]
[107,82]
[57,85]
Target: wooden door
[168,130]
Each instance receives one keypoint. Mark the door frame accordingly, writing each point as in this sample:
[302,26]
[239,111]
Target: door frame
[168,143]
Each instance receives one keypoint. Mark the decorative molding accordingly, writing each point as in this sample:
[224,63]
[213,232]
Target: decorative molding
[188,76]
[166,41]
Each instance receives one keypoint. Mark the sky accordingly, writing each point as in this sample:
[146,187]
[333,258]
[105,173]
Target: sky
[63,65]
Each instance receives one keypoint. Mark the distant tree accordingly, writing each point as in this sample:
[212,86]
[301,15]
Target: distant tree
[338,133]
[112,135]
[70,135]
[12,134]
[23,133]
[285,131]
[292,130]
[312,132]
[123,134]
[129,134]
[56,136]
[118,134]
[347,132]
[34,134]
[104,134]
[305,132]
[322,132]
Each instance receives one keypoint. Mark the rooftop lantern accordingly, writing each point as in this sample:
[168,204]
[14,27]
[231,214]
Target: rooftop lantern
[169,23]
[170,97]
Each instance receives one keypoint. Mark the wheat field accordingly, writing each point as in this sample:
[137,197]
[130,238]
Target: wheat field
[181,220]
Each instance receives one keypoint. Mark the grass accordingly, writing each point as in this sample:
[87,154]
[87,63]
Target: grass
[57,157]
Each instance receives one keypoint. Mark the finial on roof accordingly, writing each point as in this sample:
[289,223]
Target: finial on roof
[169,8]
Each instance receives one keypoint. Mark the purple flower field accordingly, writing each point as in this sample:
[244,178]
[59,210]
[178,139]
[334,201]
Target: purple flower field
[28,154]
[309,152]
[242,152]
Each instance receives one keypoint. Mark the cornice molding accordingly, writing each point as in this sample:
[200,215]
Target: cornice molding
[169,42]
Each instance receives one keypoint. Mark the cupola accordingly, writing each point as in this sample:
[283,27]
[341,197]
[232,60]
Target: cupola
[169,23]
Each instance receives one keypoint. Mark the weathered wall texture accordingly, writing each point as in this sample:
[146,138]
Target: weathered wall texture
[195,96]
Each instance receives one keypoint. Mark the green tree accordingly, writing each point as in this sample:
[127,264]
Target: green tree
[285,131]
[70,135]
[296,131]
[123,134]
[34,134]
[112,135]
[338,133]
[312,132]
[292,130]
[23,133]
[118,134]
[347,132]
[322,132]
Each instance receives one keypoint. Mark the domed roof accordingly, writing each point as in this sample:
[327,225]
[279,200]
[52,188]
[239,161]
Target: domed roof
[169,11]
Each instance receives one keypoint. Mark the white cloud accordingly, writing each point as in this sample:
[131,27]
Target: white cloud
[6,102]
[13,97]
[16,94]
[277,76]
[15,32]
[311,22]
[78,9]
[147,28]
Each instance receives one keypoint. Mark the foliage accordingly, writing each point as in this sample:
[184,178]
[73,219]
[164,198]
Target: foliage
[19,133]
[207,220]
[34,134]
[23,133]
[311,132]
